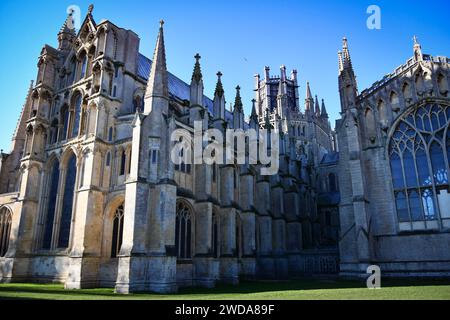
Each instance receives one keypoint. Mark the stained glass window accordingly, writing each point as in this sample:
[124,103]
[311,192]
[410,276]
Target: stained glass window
[50,216]
[5,230]
[67,206]
[117,235]
[419,165]
[183,231]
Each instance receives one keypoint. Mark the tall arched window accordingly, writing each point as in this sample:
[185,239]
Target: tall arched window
[117,235]
[370,125]
[419,167]
[183,231]
[65,118]
[67,205]
[84,64]
[53,181]
[5,230]
[76,115]
[123,162]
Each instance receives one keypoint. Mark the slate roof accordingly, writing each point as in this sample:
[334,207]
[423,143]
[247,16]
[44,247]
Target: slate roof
[177,87]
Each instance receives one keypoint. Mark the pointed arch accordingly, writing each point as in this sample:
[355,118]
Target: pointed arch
[117,230]
[442,84]
[69,165]
[418,165]
[51,197]
[5,229]
[406,90]
[184,225]
[370,124]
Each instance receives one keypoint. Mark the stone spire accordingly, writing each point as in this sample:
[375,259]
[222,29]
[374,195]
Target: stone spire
[254,115]
[238,106]
[20,132]
[68,25]
[348,87]
[309,102]
[67,33]
[347,61]
[197,74]
[219,87]
[417,50]
[197,84]
[219,99]
[317,107]
[324,113]
[157,92]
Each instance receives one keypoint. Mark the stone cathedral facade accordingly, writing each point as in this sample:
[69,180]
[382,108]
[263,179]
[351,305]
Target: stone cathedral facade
[90,197]
[394,154]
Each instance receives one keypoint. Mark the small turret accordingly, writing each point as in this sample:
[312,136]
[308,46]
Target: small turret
[309,101]
[219,99]
[418,56]
[324,113]
[67,33]
[317,108]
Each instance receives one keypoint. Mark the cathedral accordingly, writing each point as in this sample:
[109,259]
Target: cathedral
[90,197]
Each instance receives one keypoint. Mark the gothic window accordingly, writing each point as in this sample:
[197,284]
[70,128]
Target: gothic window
[117,235]
[5,230]
[154,156]
[420,87]
[84,64]
[407,91]
[183,231]
[54,132]
[123,161]
[73,71]
[419,166]
[51,205]
[370,125]
[76,115]
[65,118]
[110,134]
[108,159]
[67,204]
[395,104]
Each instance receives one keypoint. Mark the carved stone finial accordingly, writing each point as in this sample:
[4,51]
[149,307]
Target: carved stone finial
[161,23]
[197,57]
[90,8]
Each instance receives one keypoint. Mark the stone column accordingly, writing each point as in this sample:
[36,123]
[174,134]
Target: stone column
[15,265]
[248,217]
[279,231]
[205,266]
[293,231]
[87,226]
[229,271]
[264,260]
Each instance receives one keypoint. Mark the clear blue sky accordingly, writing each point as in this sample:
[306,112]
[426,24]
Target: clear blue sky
[238,38]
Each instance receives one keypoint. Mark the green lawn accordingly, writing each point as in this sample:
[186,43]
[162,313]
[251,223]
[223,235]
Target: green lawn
[291,290]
